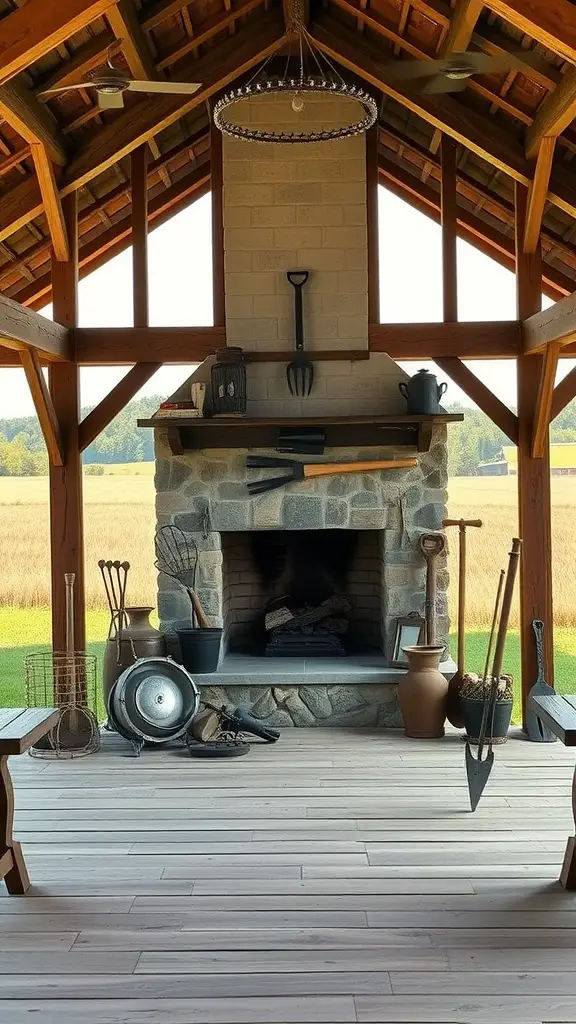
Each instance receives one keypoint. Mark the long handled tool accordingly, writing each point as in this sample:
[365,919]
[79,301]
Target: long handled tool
[177,557]
[478,768]
[454,714]
[535,728]
[300,372]
[432,546]
[305,471]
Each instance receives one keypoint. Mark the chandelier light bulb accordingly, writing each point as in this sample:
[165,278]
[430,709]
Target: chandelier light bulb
[297,103]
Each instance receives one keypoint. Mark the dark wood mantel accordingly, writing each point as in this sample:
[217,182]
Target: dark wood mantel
[191,434]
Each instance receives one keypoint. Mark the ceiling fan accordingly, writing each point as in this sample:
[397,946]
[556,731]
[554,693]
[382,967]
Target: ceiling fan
[452,73]
[111,83]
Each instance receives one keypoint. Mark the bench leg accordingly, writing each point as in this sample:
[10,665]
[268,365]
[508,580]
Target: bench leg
[12,866]
[568,873]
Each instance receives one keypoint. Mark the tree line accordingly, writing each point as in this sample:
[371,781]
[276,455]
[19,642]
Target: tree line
[23,453]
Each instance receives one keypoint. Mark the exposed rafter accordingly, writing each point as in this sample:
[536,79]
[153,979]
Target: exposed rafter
[462,25]
[552,23]
[556,112]
[477,133]
[51,200]
[538,194]
[24,329]
[38,27]
[557,323]
[31,120]
[88,57]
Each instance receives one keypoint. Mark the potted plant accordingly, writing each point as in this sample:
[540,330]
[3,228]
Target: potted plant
[473,696]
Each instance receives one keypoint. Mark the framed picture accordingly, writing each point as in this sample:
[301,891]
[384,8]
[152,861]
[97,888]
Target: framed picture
[409,632]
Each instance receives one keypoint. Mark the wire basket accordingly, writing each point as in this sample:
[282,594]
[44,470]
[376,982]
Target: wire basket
[67,682]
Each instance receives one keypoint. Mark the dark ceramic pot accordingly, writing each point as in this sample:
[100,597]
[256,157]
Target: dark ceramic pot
[472,716]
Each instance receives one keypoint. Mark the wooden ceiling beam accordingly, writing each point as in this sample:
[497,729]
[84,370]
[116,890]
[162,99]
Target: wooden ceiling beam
[38,27]
[133,43]
[51,200]
[160,12]
[147,118]
[462,24]
[555,324]
[44,406]
[538,194]
[479,134]
[31,120]
[22,328]
[554,114]
[86,58]
[485,399]
[116,346]
[114,402]
[543,410]
[211,28]
[486,340]
[552,22]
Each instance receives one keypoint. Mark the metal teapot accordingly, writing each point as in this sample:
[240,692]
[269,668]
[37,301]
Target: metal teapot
[422,393]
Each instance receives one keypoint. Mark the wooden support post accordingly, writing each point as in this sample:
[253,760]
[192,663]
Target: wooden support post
[372,177]
[449,230]
[216,193]
[534,510]
[139,192]
[66,512]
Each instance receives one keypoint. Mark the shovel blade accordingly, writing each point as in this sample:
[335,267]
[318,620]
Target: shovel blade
[477,773]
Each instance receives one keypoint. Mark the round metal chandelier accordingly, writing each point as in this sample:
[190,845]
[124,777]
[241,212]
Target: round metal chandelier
[315,75]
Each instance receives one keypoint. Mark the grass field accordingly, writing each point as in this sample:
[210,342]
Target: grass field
[119,523]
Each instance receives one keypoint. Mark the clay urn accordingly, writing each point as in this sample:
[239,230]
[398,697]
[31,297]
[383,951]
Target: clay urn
[423,693]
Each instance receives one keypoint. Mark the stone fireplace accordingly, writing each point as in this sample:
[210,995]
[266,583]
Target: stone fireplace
[349,539]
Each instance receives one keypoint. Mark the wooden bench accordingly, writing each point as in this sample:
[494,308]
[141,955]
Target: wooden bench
[20,729]
[558,712]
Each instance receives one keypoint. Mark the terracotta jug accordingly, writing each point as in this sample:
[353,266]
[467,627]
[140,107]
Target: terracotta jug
[423,693]
[139,638]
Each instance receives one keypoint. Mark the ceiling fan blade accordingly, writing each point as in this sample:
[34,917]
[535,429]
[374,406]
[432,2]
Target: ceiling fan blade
[178,88]
[403,70]
[66,88]
[110,100]
[443,84]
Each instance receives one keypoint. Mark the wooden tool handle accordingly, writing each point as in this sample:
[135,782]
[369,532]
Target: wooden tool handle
[69,578]
[199,611]
[327,468]
[513,560]
[462,523]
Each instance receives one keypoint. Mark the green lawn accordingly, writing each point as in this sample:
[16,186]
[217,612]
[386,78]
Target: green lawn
[34,625]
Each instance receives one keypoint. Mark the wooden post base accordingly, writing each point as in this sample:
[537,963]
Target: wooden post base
[568,873]
[12,866]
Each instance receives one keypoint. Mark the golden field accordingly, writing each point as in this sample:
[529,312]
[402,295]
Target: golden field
[120,524]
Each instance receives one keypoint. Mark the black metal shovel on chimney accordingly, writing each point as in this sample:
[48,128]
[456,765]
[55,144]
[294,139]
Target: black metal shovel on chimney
[300,372]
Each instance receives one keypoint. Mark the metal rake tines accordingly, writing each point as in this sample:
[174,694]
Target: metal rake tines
[267,462]
[176,554]
[300,378]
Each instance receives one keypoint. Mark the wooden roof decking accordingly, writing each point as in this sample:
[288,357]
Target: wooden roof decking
[499,120]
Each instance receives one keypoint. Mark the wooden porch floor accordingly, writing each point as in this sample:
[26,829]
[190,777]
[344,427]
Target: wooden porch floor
[337,876]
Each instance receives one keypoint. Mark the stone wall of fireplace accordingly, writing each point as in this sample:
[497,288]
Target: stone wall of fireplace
[208,488]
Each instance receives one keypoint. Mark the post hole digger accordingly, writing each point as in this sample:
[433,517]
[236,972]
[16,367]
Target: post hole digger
[305,471]
[453,712]
[478,768]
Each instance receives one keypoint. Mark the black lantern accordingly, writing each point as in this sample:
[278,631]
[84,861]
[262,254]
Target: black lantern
[229,382]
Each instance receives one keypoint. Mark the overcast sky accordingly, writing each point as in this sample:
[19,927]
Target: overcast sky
[181,295]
